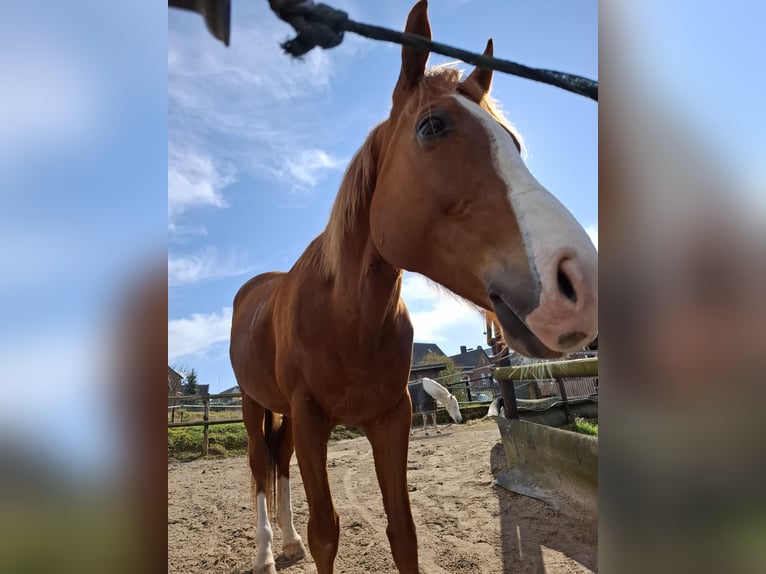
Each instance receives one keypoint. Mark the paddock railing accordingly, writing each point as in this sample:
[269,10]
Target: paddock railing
[209,402]
[574,380]
[546,384]
[226,408]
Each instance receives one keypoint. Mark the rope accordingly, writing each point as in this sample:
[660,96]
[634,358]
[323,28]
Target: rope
[323,26]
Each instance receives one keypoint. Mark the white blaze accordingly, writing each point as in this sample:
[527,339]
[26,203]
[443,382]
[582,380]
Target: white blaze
[546,225]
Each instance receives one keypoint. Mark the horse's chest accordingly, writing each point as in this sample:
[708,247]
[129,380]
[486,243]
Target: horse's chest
[353,397]
[353,374]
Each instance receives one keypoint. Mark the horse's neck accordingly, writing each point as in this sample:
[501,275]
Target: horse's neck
[366,288]
[436,391]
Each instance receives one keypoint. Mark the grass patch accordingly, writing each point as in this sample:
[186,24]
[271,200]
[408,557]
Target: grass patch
[340,433]
[185,443]
[585,426]
[186,415]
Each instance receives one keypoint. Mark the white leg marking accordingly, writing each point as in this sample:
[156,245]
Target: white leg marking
[264,557]
[292,544]
[425,422]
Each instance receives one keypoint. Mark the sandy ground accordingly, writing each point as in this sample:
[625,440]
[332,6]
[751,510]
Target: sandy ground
[464,522]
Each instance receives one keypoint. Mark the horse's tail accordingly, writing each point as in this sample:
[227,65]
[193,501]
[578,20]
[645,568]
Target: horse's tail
[271,434]
[258,419]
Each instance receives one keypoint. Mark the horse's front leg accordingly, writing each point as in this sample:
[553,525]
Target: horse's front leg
[425,423]
[388,436]
[433,416]
[311,431]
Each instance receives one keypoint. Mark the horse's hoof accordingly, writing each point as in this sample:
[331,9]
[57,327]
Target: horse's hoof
[265,569]
[438,432]
[294,551]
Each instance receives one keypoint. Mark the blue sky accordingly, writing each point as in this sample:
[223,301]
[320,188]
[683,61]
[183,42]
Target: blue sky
[82,177]
[257,145]
[84,132]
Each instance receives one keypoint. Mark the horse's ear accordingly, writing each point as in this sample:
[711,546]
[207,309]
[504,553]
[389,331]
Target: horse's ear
[483,76]
[414,61]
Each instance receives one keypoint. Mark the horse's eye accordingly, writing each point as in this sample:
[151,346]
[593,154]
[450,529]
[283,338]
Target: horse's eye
[432,126]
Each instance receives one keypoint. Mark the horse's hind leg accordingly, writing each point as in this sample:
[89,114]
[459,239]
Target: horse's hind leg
[292,545]
[433,416]
[425,423]
[260,466]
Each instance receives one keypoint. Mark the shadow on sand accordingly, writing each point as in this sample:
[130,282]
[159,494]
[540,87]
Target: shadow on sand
[528,524]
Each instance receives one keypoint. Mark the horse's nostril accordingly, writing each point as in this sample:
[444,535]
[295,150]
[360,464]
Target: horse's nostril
[565,286]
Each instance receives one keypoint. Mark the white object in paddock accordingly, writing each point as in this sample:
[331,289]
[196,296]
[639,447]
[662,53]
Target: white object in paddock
[496,408]
[443,396]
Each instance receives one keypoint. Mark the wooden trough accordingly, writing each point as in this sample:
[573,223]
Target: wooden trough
[547,462]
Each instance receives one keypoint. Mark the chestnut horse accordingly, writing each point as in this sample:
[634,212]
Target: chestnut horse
[438,188]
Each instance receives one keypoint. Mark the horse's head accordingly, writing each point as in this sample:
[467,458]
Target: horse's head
[454,201]
[453,409]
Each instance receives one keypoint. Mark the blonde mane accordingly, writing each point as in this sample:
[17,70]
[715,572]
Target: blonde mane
[353,196]
[359,180]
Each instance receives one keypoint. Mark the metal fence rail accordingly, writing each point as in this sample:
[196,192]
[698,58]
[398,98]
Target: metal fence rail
[562,381]
[580,376]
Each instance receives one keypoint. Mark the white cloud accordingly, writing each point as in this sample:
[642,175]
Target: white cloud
[195,335]
[307,166]
[251,103]
[416,289]
[253,74]
[194,180]
[592,231]
[180,231]
[51,101]
[206,264]
[437,315]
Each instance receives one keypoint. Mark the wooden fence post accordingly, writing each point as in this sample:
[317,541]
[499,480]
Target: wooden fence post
[507,389]
[564,398]
[206,429]
[508,392]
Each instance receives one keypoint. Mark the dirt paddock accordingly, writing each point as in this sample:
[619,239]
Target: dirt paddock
[464,522]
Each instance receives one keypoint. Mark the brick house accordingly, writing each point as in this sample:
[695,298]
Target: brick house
[476,369]
[420,350]
[418,370]
[476,365]
[230,400]
[432,371]
[174,384]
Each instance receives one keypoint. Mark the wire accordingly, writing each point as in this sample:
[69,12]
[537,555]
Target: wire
[324,26]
